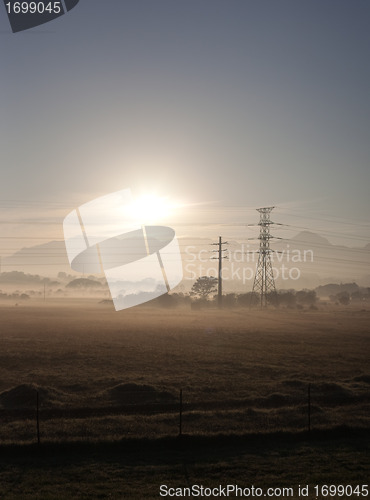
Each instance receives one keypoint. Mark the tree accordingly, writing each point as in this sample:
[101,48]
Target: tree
[287,298]
[204,286]
[306,297]
[248,299]
[344,298]
[83,283]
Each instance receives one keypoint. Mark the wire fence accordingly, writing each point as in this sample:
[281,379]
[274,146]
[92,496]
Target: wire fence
[148,416]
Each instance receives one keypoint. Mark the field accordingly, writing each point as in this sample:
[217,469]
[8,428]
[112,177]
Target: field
[109,384]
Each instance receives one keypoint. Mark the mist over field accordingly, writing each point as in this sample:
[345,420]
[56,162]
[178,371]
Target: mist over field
[112,380]
[252,367]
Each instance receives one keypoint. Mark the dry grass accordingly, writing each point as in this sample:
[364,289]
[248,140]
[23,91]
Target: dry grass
[241,372]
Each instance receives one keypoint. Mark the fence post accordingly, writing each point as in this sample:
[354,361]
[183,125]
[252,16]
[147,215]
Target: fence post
[309,408]
[180,415]
[37,418]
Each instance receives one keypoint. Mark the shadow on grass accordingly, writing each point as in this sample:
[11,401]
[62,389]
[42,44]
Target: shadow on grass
[169,449]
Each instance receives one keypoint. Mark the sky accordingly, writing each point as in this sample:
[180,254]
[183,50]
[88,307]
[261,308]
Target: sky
[225,106]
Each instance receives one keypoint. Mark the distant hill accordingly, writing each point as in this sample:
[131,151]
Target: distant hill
[18,277]
[318,261]
[46,259]
[307,237]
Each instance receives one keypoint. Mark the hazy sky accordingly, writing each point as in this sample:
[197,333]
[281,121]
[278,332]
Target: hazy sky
[239,102]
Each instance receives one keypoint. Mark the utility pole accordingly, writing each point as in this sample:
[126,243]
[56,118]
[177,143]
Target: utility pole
[219,258]
[264,278]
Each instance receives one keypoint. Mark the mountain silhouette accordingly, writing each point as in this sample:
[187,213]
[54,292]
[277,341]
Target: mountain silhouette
[329,262]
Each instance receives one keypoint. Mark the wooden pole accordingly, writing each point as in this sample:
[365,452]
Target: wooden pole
[180,416]
[309,408]
[37,418]
[219,258]
[220,272]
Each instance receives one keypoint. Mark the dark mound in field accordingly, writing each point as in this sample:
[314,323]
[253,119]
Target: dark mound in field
[24,397]
[275,400]
[362,378]
[330,389]
[137,394]
[331,393]
[294,383]
[74,388]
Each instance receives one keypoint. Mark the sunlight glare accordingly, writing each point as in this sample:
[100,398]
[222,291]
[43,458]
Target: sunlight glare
[149,209]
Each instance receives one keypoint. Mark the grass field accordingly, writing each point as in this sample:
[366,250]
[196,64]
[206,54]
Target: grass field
[136,469]
[109,385]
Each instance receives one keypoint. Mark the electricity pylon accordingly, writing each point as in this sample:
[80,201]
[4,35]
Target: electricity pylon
[264,282]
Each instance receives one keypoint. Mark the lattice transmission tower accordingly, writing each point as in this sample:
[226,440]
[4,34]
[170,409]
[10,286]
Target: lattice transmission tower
[264,282]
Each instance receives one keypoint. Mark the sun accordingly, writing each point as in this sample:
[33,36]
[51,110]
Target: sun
[150,209]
